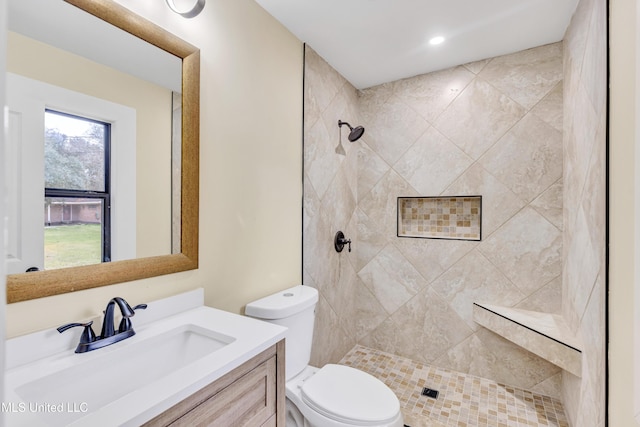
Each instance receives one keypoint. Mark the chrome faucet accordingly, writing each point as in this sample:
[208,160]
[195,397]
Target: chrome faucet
[108,336]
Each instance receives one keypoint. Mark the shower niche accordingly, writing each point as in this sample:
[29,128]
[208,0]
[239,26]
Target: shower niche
[441,217]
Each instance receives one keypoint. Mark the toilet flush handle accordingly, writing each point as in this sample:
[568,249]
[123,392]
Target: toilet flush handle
[339,241]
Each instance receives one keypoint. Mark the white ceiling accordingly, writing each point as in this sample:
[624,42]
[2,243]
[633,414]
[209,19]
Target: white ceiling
[377,41]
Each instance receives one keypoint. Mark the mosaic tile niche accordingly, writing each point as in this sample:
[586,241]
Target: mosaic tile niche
[452,217]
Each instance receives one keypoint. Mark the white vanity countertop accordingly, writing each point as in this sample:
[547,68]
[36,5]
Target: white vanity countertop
[28,360]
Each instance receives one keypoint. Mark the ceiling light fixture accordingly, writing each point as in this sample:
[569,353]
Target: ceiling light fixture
[436,40]
[194,11]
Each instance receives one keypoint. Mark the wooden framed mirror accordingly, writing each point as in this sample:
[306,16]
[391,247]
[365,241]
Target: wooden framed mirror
[27,286]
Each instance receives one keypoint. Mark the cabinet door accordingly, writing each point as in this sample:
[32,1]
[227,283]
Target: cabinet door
[249,401]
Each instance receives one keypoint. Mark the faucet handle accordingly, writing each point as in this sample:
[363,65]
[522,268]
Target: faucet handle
[87,335]
[125,323]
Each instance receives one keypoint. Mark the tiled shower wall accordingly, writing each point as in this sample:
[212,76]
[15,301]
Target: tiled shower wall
[490,128]
[330,191]
[584,275]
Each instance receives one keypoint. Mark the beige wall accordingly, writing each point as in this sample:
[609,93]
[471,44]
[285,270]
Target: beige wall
[250,156]
[622,138]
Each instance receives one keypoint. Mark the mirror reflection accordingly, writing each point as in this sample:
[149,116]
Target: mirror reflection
[147,116]
[65,63]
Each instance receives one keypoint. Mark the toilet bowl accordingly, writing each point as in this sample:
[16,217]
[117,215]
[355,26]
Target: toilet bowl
[330,396]
[340,396]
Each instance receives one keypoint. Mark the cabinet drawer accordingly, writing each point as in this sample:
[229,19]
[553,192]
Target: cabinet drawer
[251,395]
[249,401]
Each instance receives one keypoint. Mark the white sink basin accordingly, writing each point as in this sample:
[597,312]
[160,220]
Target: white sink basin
[180,347]
[104,379]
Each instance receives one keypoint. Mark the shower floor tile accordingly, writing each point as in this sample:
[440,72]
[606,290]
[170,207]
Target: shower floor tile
[464,400]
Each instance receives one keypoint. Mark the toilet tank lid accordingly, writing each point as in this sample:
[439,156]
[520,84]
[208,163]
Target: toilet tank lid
[283,304]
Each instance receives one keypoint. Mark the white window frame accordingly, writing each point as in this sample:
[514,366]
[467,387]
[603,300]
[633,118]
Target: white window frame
[123,151]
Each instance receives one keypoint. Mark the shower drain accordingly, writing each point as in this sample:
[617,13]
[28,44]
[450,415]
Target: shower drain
[429,392]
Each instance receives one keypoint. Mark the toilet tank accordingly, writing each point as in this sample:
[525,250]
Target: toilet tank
[293,308]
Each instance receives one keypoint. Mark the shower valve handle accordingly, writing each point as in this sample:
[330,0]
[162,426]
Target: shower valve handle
[339,241]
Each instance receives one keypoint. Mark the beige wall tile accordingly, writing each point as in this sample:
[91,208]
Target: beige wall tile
[549,204]
[477,118]
[321,162]
[585,97]
[431,331]
[475,279]
[552,386]
[528,159]
[547,299]
[381,202]
[432,163]
[329,348]
[432,257]
[386,338]
[529,266]
[369,314]
[477,66]
[391,278]
[526,76]
[371,240]
[429,94]
[394,128]
[550,108]
[499,203]
[371,168]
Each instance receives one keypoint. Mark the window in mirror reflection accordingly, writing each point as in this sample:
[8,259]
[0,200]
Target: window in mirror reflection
[76,190]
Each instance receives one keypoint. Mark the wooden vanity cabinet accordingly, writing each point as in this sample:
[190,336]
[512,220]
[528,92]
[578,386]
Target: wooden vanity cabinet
[251,395]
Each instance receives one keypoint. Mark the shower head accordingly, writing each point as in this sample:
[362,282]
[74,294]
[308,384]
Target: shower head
[355,133]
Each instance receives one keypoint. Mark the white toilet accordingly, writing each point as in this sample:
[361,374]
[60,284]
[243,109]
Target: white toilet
[331,396]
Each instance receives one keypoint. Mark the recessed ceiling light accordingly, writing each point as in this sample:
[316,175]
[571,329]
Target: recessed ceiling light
[436,40]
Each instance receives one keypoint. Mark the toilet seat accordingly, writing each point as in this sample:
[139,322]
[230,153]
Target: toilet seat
[350,396]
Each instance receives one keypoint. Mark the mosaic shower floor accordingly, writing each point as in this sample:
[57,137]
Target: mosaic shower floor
[464,400]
